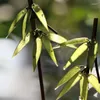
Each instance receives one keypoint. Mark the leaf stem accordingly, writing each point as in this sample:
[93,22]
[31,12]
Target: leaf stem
[33,27]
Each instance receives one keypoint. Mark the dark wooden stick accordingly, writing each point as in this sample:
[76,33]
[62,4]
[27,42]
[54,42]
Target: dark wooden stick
[53,30]
[91,44]
[94,33]
[33,27]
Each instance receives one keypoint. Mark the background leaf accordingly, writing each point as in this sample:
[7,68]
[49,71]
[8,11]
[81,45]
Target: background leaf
[79,51]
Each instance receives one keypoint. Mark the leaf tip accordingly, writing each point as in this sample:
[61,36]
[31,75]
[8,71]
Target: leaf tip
[13,55]
[33,69]
[7,36]
[56,88]
[64,68]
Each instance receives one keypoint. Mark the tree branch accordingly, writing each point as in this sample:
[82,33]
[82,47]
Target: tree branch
[33,27]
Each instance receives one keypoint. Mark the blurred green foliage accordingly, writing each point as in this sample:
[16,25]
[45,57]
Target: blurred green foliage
[71,18]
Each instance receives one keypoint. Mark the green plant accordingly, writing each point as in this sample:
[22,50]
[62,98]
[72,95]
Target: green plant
[81,72]
[30,30]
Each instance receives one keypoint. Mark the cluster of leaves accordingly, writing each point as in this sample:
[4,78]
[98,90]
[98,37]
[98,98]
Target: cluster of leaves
[80,72]
[39,37]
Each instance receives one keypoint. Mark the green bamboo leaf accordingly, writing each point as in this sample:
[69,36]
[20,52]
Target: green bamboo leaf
[68,76]
[84,87]
[72,42]
[37,51]
[24,25]
[69,85]
[49,48]
[79,51]
[16,20]
[75,41]
[92,54]
[94,82]
[96,49]
[69,45]
[22,44]
[39,13]
[58,39]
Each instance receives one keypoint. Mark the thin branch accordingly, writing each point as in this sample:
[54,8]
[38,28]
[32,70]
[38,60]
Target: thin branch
[33,27]
[94,32]
[41,80]
[97,71]
[91,44]
[53,30]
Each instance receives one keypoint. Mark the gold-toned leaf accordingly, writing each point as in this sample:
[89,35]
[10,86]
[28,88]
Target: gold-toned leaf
[22,44]
[49,48]
[94,82]
[84,87]
[24,26]
[79,51]
[69,85]
[39,13]
[36,51]
[68,76]
[16,20]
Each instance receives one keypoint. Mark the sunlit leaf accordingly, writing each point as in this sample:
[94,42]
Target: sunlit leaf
[76,41]
[49,49]
[22,44]
[24,26]
[39,13]
[68,76]
[36,51]
[69,45]
[58,39]
[79,51]
[16,20]
[72,42]
[69,85]
[84,87]
[92,54]
[94,82]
